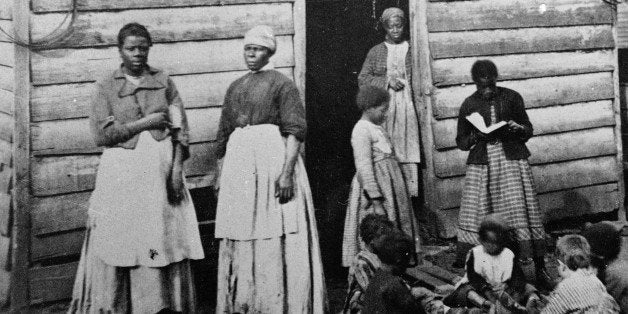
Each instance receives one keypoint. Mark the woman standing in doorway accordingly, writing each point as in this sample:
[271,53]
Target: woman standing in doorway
[499,178]
[389,65]
[142,228]
[269,259]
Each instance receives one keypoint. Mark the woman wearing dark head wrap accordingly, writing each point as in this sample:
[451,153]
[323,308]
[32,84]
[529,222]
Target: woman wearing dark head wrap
[499,178]
[142,228]
[389,65]
[269,260]
[605,240]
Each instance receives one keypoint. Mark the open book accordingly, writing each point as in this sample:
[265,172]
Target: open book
[478,122]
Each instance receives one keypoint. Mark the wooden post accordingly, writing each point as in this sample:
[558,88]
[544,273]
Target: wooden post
[298,17]
[621,213]
[21,160]
[422,85]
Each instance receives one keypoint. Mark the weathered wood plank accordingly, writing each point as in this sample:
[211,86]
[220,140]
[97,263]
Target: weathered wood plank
[6,127]
[7,78]
[7,54]
[5,180]
[7,26]
[57,245]
[59,213]
[548,178]
[545,149]
[5,214]
[523,66]
[51,283]
[496,14]
[545,120]
[6,102]
[523,40]
[622,25]
[75,134]
[579,202]
[68,174]
[5,252]
[69,101]
[539,92]
[82,65]
[5,283]
[6,11]
[167,25]
[6,151]
[45,6]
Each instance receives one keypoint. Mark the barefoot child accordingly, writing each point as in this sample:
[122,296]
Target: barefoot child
[378,186]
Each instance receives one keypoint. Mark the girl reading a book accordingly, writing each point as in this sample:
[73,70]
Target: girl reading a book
[498,178]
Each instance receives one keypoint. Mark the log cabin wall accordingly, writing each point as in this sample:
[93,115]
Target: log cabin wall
[6,148]
[199,42]
[561,57]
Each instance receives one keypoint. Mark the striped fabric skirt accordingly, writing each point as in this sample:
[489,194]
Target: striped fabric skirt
[397,204]
[505,188]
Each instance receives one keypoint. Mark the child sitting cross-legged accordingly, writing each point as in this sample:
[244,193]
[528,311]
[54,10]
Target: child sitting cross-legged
[580,291]
[493,280]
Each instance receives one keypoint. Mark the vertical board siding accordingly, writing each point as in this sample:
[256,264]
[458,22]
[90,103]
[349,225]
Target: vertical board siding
[622,25]
[561,58]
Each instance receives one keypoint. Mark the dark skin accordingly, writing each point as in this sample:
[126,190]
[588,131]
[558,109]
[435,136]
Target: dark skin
[256,57]
[487,86]
[134,54]
[394,35]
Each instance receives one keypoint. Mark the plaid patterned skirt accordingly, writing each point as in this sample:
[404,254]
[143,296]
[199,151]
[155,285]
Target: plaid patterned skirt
[505,188]
[397,204]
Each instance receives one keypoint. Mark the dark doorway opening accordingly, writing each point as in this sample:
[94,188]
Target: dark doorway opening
[339,35]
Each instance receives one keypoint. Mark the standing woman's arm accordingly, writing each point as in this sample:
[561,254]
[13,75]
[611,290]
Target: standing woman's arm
[181,143]
[370,74]
[466,135]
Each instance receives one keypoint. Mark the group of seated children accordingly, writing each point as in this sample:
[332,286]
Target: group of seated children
[493,282]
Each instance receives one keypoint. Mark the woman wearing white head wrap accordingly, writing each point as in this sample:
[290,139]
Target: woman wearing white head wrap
[389,65]
[269,259]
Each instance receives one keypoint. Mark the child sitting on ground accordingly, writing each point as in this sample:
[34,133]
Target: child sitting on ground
[493,278]
[580,291]
[365,263]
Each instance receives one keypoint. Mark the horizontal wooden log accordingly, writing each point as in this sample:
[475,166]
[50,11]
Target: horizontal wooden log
[6,127]
[523,40]
[75,134]
[6,78]
[83,65]
[6,102]
[544,149]
[51,283]
[6,10]
[522,66]
[68,174]
[545,120]
[7,26]
[7,53]
[579,202]
[69,101]
[41,6]
[496,14]
[548,178]
[59,213]
[539,92]
[5,214]
[57,245]
[168,25]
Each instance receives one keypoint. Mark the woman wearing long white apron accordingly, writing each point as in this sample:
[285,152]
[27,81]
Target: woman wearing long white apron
[269,259]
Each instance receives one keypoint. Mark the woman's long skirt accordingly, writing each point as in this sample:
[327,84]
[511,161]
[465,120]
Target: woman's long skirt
[397,204]
[505,188]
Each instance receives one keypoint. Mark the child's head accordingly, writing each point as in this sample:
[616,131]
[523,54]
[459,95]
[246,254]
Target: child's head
[604,239]
[373,102]
[572,251]
[493,235]
[395,249]
[373,226]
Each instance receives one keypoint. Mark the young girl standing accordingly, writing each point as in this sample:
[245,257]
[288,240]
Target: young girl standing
[378,186]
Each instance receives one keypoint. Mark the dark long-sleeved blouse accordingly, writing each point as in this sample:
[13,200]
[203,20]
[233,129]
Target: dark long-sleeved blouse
[508,106]
[264,97]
